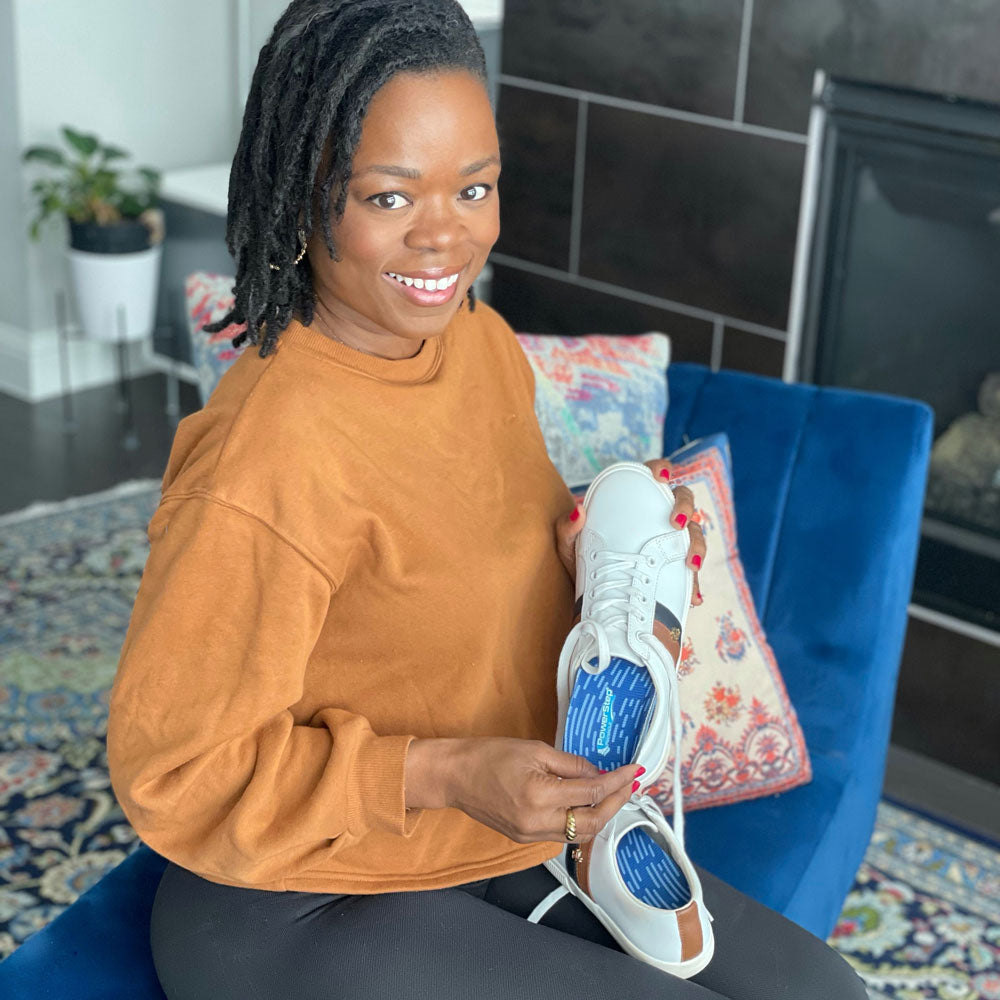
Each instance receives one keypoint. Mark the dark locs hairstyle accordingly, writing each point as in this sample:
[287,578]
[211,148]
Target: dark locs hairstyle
[311,89]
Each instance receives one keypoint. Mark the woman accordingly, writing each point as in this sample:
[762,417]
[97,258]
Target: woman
[335,701]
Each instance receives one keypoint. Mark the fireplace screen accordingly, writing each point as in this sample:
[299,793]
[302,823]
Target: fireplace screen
[901,295]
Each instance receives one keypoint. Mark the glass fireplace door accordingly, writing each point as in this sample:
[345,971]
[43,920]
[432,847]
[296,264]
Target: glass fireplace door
[905,299]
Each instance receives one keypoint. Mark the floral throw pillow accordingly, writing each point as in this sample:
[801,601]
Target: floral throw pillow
[209,297]
[599,399]
[742,738]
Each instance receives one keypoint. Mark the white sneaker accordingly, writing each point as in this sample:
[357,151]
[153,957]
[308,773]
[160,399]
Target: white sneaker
[636,879]
[617,674]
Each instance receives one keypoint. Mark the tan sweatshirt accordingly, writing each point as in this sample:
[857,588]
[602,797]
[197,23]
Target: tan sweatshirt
[350,552]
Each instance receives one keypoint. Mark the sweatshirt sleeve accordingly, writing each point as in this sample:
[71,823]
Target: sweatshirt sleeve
[207,760]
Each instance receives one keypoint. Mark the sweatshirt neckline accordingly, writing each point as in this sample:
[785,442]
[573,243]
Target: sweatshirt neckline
[402,371]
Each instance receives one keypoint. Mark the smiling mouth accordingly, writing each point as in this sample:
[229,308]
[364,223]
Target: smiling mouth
[429,288]
[428,284]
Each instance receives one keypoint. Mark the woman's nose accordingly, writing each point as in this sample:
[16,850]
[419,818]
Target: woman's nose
[436,227]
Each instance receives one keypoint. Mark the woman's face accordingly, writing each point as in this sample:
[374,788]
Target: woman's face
[422,207]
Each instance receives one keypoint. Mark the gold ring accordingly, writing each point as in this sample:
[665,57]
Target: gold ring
[570,825]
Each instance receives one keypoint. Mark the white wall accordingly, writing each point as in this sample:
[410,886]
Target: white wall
[13,272]
[155,78]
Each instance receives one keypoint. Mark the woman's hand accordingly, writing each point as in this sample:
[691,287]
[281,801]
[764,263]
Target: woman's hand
[522,788]
[569,526]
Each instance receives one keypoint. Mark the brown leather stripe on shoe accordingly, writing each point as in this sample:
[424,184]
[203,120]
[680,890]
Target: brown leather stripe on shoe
[689,928]
[667,629]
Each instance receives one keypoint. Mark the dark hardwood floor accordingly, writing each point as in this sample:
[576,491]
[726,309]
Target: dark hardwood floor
[41,460]
[941,756]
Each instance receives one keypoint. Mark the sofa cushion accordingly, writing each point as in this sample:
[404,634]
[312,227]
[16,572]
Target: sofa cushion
[98,949]
[741,737]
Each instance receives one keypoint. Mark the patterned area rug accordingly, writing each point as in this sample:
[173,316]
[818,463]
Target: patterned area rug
[922,921]
[923,917]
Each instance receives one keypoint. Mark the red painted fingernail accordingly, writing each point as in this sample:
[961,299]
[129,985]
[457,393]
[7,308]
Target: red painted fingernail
[665,473]
[575,514]
[697,561]
[699,595]
[681,520]
[602,772]
[635,786]
[641,770]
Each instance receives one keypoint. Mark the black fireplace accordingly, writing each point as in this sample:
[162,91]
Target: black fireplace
[897,290]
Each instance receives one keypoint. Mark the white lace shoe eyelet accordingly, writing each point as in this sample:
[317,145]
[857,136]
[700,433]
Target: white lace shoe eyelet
[651,561]
[593,574]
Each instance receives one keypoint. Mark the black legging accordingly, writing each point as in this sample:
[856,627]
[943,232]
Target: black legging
[469,942]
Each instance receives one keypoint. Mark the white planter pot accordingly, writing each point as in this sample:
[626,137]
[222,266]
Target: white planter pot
[103,282]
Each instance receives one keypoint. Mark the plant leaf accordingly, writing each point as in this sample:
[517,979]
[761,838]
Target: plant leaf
[113,153]
[85,144]
[152,176]
[46,154]
[131,205]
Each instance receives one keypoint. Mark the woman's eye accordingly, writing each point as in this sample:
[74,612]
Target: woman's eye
[476,193]
[390,200]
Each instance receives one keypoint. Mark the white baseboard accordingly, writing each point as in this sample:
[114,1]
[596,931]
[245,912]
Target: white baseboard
[31,368]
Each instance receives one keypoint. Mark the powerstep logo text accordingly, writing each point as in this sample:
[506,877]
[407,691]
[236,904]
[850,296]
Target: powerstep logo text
[607,717]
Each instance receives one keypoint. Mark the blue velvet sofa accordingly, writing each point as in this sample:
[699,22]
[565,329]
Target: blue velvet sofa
[829,491]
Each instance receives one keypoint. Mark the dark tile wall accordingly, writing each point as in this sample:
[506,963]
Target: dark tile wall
[696,214]
[946,46]
[535,303]
[752,352]
[951,680]
[537,147]
[691,195]
[680,53]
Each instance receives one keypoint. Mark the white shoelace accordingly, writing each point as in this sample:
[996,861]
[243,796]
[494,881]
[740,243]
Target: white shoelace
[619,577]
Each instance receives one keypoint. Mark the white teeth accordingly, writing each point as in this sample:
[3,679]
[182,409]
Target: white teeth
[428,284]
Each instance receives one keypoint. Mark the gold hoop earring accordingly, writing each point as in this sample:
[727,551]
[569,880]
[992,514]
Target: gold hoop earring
[302,252]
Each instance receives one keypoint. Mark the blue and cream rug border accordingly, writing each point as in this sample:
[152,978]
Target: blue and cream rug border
[922,920]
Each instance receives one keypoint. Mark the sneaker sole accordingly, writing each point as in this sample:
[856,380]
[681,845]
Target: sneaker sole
[683,970]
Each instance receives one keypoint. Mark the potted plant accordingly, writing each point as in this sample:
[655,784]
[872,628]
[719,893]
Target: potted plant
[115,232]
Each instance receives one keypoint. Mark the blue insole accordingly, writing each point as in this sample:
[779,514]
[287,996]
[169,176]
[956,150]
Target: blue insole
[605,718]
[650,873]
[606,713]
